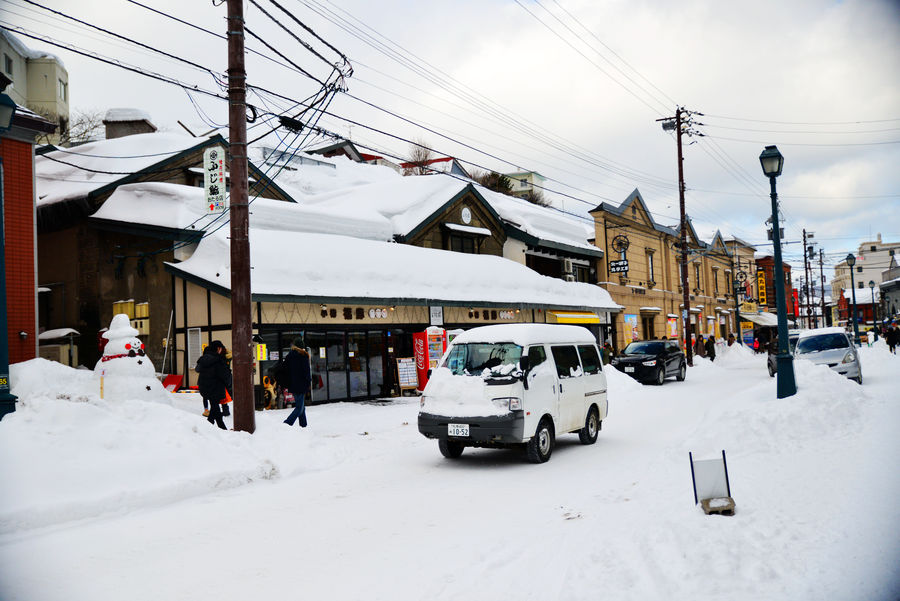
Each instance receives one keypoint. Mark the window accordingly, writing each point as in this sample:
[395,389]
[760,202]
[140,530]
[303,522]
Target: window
[63,89]
[859,269]
[7,64]
[650,274]
[716,281]
[566,358]
[462,244]
[728,277]
[874,249]
[523,183]
[860,285]
[697,276]
[536,356]
[589,358]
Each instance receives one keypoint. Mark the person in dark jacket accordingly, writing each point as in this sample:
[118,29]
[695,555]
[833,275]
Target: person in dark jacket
[214,379]
[298,363]
[711,347]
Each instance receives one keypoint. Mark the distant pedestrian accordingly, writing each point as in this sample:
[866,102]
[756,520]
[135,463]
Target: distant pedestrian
[730,339]
[893,339]
[298,363]
[700,347]
[214,380]
[711,347]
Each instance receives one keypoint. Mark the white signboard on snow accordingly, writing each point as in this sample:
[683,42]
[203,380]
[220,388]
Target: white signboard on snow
[437,316]
[214,179]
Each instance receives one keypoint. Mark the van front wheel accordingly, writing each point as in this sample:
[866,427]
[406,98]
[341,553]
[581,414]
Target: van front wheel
[588,434]
[450,448]
[541,444]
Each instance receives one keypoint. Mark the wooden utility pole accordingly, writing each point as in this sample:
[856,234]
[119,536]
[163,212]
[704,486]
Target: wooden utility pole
[822,279]
[678,124]
[241,326]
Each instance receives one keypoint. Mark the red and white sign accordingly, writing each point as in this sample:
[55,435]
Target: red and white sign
[214,179]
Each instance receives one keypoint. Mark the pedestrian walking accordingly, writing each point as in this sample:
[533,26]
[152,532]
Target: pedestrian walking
[730,339]
[711,347]
[298,363]
[214,380]
[700,346]
[892,338]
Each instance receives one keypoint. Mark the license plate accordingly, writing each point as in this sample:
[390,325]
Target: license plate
[457,429]
[629,370]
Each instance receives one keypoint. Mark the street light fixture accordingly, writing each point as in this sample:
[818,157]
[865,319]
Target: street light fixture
[851,261]
[772,161]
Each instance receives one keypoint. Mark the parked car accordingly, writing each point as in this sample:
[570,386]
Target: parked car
[515,385]
[831,347]
[772,359]
[652,361]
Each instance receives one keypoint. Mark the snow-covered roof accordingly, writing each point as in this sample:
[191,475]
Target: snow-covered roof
[820,331]
[526,334]
[126,114]
[351,268]
[409,201]
[57,333]
[176,206]
[76,172]
[27,52]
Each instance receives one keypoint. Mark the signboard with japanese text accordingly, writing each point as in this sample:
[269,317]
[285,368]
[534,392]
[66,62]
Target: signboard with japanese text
[214,179]
[761,286]
[436,315]
[618,266]
[631,327]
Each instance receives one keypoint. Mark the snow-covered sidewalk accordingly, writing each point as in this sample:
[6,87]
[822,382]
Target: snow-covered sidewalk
[143,500]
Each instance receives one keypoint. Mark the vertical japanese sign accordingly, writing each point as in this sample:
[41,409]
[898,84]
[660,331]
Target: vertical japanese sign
[631,329]
[673,327]
[761,285]
[214,179]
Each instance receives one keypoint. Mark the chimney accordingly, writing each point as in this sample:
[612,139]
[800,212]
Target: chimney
[127,122]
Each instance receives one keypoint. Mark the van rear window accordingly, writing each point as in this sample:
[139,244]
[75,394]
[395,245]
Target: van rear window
[590,359]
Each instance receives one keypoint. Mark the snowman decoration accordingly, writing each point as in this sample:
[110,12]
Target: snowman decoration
[126,370]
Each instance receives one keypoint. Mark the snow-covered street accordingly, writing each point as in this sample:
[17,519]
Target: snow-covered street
[139,500]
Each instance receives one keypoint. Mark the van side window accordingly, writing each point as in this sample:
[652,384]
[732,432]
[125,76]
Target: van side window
[566,358]
[536,356]
[590,359]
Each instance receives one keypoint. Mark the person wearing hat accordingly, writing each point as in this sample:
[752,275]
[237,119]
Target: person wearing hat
[214,379]
[298,364]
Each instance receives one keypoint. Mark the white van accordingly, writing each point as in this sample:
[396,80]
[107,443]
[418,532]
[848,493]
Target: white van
[515,384]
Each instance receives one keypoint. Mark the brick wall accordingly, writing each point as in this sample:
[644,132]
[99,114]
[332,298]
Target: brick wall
[18,218]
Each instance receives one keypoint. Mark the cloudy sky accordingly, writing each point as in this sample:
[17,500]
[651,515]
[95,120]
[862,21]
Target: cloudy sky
[571,89]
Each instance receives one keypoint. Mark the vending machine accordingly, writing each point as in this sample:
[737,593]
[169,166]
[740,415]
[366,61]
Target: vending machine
[429,347]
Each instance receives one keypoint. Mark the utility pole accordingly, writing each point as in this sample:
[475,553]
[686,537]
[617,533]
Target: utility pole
[241,325]
[681,123]
[822,278]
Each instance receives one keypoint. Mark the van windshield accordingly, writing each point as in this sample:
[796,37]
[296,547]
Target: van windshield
[483,359]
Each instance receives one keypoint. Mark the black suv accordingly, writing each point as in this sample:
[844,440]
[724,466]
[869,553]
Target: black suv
[652,361]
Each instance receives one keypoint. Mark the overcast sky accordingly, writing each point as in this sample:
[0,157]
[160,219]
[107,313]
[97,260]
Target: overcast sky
[569,88]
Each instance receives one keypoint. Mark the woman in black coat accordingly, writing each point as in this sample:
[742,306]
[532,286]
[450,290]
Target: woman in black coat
[214,379]
[298,363]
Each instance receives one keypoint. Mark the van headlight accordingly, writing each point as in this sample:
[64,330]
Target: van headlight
[514,403]
[649,363]
[849,358]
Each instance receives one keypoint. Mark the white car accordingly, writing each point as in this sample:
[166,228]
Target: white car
[832,347]
[515,385]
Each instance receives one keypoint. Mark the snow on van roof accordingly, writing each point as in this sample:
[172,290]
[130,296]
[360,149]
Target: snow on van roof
[527,333]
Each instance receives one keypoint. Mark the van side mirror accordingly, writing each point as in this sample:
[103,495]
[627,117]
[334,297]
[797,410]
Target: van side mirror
[523,365]
[429,374]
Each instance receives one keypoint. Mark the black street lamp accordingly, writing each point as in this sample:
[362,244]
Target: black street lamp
[772,161]
[874,309]
[851,261]
[7,399]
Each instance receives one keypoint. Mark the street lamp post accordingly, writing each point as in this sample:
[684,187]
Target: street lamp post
[874,309]
[851,261]
[772,161]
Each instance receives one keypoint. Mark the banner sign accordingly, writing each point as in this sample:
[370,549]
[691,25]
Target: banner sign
[214,179]
[618,266]
[761,285]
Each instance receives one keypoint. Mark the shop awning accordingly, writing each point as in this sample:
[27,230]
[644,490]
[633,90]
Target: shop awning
[575,317]
[761,319]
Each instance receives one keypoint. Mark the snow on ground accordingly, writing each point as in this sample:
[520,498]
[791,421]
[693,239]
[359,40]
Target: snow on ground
[108,499]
